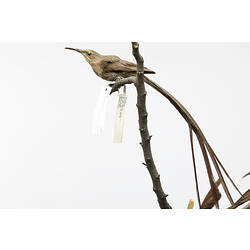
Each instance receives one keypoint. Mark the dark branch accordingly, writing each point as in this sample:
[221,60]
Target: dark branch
[145,137]
[121,82]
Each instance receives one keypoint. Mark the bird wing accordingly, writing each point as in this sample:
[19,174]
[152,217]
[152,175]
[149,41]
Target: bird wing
[132,67]
[115,64]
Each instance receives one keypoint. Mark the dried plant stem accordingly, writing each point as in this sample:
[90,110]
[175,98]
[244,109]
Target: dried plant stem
[200,136]
[193,127]
[194,165]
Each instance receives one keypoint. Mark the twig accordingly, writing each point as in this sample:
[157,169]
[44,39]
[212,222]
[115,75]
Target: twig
[121,82]
[243,199]
[143,127]
[226,173]
[191,122]
[212,155]
[246,174]
[209,201]
[209,170]
[194,165]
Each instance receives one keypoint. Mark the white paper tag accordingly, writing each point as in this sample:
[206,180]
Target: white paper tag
[119,120]
[100,111]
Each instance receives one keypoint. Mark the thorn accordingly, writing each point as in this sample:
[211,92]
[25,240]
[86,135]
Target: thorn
[164,196]
[111,92]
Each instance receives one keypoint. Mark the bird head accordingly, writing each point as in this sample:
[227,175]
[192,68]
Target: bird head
[89,55]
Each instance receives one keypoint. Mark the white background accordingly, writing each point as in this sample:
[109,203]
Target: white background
[172,21]
[50,159]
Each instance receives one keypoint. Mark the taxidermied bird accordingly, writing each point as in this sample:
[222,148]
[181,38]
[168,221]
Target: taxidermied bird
[110,68]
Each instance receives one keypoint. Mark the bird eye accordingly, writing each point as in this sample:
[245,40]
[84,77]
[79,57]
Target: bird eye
[89,53]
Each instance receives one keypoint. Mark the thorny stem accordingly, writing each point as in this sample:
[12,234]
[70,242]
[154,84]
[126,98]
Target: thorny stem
[143,127]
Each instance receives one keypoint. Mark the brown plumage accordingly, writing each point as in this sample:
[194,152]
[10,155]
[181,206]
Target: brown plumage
[108,67]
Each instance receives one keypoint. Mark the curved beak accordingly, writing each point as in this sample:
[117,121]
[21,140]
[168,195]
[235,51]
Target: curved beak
[78,50]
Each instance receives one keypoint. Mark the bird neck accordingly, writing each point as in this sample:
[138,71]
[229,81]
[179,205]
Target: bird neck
[96,67]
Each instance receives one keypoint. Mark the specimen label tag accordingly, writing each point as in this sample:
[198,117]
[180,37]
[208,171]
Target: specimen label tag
[100,111]
[119,119]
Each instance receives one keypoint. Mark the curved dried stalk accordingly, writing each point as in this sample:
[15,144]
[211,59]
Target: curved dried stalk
[209,201]
[194,165]
[200,136]
[243,199]
[204,145]
[246,174]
